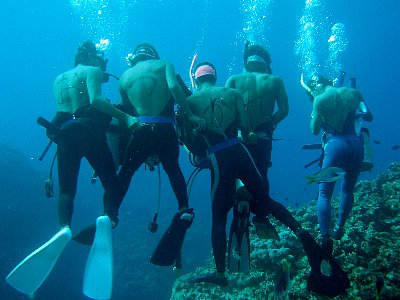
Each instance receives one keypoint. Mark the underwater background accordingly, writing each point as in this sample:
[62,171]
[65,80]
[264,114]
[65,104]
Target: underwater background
[38,40]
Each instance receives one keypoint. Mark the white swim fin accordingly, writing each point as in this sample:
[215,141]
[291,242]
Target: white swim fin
[98,279]
[29,275]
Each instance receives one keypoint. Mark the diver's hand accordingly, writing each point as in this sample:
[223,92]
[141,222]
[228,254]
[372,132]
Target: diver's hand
[133,123]
[250,139]
[200,122]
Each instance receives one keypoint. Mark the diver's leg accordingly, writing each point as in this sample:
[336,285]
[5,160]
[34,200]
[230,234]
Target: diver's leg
[68,162]
[168,154]
[333,152]
[222,190]
[352,169]
[136,154]
[101,159]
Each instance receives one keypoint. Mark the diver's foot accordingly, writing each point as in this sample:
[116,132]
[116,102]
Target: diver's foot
[213,278]
[337,232]
[327,244]
[264,229]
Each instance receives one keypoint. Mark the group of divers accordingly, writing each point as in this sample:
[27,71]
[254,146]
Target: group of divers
[228,130]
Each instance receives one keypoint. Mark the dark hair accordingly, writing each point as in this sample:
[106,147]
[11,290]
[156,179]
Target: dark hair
[142,52]
[259,50]
[88,55]
[319,79]
[206,78]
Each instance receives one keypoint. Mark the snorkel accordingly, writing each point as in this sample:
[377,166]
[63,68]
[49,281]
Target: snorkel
[191,74]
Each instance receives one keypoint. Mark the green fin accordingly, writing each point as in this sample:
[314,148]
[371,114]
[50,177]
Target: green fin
[333,285]
[239,242]
[86,235]
[168,249]
[98,279]
[29,275]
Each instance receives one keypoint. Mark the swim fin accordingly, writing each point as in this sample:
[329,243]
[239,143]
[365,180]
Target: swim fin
[326,277]
[29,275]
[239,242]
[98,279]
[86,235]
[169,247]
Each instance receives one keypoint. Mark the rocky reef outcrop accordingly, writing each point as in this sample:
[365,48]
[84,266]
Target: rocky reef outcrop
[369,248]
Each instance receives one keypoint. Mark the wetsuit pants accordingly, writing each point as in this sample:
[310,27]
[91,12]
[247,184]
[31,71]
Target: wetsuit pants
[345,152]
[154,139]
[261,153]
[82,141]
[227,165]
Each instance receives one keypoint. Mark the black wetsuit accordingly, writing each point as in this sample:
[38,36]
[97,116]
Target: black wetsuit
[156,137]
[229,163]
[261,153]
[83,135]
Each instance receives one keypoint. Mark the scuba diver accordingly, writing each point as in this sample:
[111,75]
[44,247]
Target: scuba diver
[224,110]
[337,111]
[261,92]
[79,130]
[149,89]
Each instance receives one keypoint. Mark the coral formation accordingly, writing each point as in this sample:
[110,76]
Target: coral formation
[369,248]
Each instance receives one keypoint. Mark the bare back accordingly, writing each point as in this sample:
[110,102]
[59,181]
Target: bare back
[261,92]
[220,107]
[145,87]
[335,104]
[77,87]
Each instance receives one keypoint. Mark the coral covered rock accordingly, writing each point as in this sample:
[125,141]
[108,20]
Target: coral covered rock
[369,248]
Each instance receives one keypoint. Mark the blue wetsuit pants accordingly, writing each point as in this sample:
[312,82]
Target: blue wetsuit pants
[345,152]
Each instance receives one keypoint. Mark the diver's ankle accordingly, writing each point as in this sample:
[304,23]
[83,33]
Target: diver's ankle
[182,209]
[220,274]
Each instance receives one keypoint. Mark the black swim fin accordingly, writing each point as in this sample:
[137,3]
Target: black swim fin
[239,242]
[86,235]
[169,248]
[326,277]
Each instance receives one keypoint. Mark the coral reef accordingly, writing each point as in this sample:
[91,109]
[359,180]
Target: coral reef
[369,248]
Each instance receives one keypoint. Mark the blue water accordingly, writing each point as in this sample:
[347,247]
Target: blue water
[39,40]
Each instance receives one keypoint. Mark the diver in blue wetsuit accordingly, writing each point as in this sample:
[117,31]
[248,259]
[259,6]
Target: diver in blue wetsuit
[337,111]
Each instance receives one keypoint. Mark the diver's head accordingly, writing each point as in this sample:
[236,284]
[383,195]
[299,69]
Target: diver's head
[89,55]
[256,59]
[317,85]
[142,52]
[205,72]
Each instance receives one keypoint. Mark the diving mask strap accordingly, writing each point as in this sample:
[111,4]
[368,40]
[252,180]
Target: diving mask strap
[305,86]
